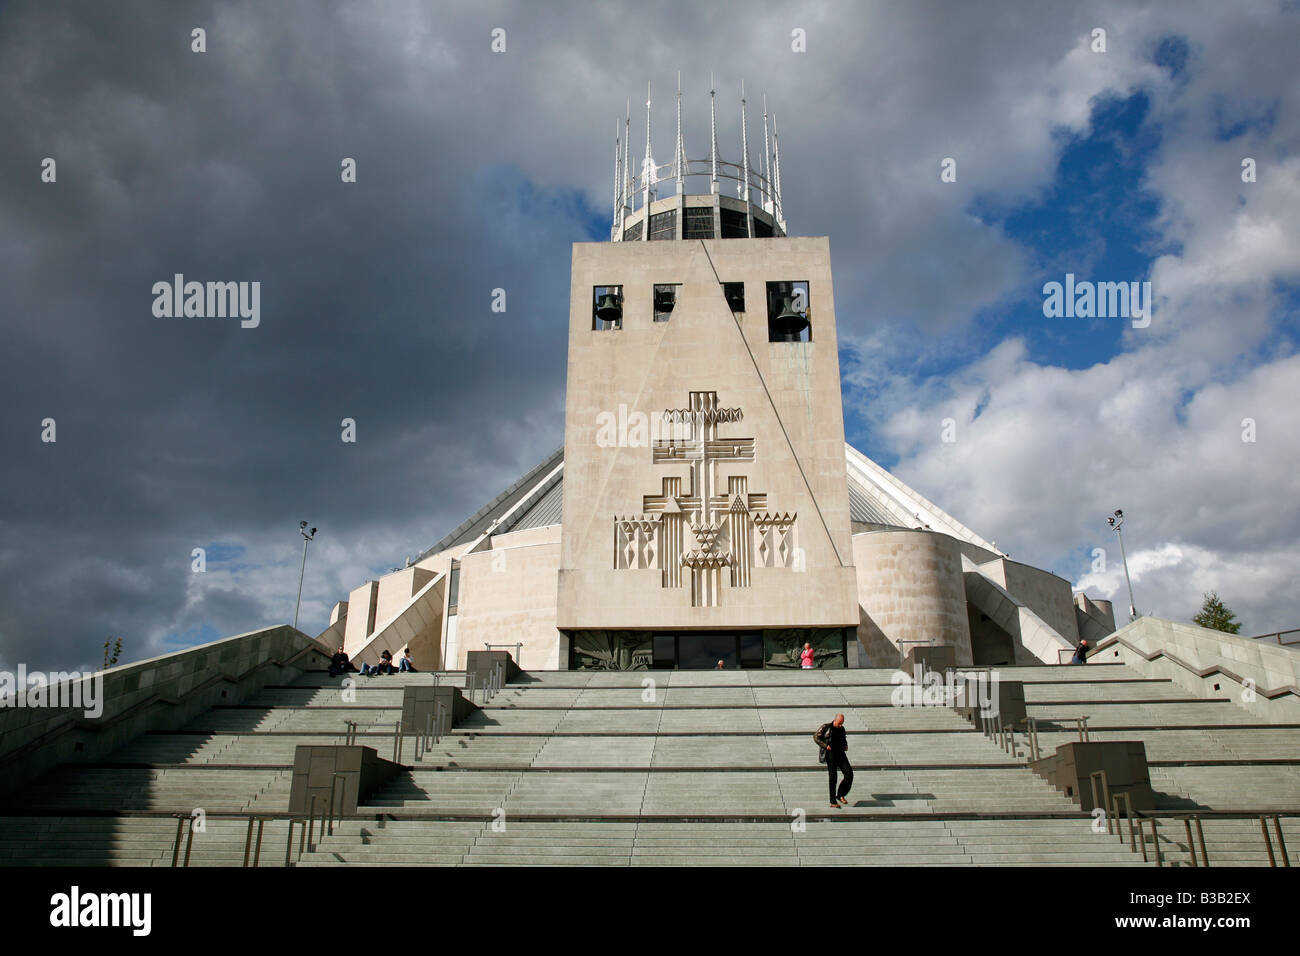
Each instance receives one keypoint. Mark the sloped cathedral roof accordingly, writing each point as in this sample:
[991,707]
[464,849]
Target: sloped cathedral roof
[876,498]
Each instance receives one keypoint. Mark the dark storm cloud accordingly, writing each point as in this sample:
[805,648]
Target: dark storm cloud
[173,433]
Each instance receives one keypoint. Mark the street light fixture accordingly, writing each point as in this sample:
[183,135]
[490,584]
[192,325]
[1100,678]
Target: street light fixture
[302,530]
[1116,521]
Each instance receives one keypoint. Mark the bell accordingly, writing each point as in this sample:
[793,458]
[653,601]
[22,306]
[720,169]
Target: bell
[665,299]
[734,292]
[789,323]
[609,310]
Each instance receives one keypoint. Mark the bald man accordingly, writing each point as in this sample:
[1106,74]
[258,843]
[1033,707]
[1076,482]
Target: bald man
[837,759]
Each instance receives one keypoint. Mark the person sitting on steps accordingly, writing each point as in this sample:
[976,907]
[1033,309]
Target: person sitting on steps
[340,664]
[385,665]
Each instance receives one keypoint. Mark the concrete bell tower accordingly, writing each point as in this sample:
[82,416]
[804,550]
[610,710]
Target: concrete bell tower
[705,492]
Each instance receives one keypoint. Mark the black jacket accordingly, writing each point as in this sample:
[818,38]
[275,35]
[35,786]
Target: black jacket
[835,739]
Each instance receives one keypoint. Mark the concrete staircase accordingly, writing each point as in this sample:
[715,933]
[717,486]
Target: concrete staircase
[701,768]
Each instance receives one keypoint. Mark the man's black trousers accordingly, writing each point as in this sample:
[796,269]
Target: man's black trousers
[839,762]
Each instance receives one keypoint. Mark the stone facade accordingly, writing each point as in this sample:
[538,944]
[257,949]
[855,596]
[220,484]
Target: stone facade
[910,591]
[739,517]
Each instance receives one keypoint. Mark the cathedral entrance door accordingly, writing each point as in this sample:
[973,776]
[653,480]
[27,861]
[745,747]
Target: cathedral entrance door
[703,651]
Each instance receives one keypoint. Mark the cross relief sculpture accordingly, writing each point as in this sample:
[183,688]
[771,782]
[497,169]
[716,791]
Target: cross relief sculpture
[728,529]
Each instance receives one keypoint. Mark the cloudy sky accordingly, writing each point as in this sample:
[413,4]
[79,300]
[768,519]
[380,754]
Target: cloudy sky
[476,170]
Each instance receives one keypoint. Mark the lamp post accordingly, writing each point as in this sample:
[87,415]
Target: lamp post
[1116,521]
[302,529]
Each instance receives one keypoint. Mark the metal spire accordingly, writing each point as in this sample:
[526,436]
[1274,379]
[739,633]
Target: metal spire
[648,170]
[744,146]
[765,192]
[758,178]
[713,135]
[627,161]
[679,157]
[776,161]
[618,175]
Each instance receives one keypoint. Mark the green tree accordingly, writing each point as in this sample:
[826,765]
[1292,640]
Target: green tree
[112,651]
[1216,616]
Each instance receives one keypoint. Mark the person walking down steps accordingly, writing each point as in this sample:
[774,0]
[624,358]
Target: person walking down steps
[834,744]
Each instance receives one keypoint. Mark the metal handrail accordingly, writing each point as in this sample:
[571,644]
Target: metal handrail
[1191,845]
[966,676]
[248,841]
[334,779]
[495,679]
[1104,800]
[518,646]
[1193,840]
[1127,799]
[902,654]
[1137,832]
[1281,843]
[397,742]
[305,823]
[181,820]
[349,733]
[288,847]
[1201,859]
[1278,635]
[1031,731]
[311,825]
[176,843]
[1081,724]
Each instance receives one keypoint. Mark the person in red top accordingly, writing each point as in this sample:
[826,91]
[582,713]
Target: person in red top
[806,658]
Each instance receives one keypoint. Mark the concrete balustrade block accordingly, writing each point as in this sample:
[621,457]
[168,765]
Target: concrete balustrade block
[481,663]
[1070,770]
[420,702]
[354,772]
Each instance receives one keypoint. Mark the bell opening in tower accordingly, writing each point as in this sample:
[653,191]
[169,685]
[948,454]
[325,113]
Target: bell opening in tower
[788,313]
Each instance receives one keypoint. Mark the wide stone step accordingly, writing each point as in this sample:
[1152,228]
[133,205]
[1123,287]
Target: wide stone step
[707,744]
